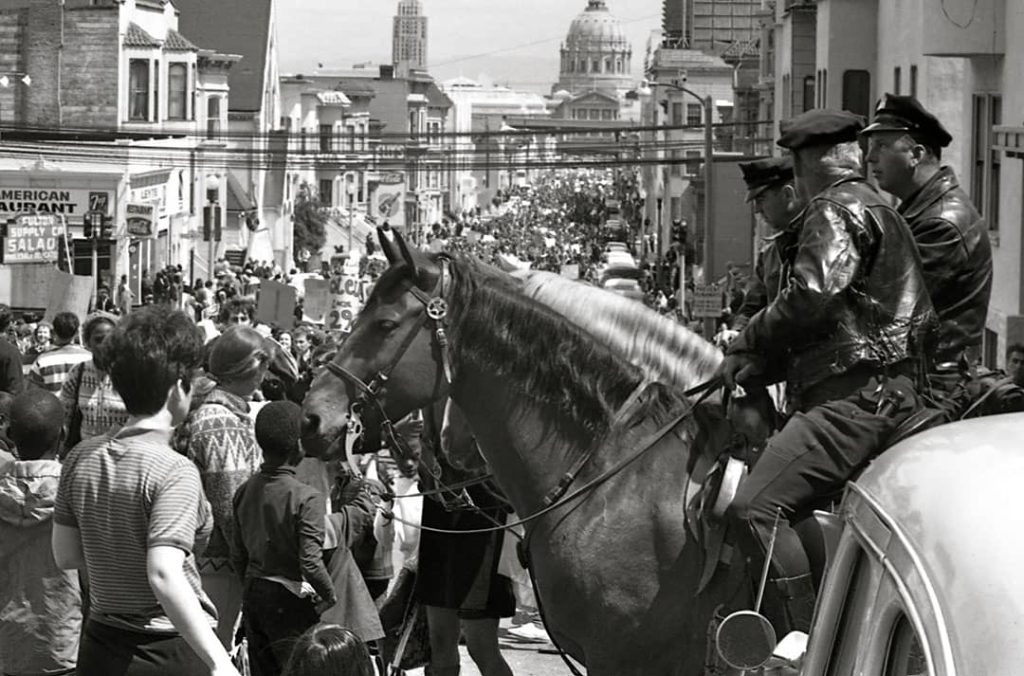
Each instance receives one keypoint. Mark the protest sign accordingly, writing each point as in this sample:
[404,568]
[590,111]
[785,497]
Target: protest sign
[68,293]
[317,300]
[276,305]
[707,301]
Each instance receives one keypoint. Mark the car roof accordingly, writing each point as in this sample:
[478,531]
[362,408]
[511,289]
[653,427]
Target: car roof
[952,492]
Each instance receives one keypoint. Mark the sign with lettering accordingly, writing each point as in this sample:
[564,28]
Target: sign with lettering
[348,295]
[71,202]
[33,238]
[276,304]
[140,220]
[707,301]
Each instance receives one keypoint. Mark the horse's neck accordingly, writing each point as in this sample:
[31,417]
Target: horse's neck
[524,453]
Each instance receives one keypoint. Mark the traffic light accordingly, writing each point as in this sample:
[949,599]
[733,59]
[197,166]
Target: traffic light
[106,227]
[87,225]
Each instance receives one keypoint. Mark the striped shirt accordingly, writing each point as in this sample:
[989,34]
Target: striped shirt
[51,369]
[127,493]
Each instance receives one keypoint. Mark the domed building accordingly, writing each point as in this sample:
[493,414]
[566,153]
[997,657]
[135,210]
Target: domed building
[596,56]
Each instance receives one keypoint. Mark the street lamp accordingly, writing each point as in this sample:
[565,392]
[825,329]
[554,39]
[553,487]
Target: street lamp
[709,155]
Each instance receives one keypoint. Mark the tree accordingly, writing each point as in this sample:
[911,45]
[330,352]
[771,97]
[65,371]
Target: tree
[310,219]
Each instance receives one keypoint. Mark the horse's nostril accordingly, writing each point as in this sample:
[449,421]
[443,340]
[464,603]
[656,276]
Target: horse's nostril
[310,424]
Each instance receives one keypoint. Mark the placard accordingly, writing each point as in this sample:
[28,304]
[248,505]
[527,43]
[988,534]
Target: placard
[707,301]
[317,300]
[276,305]
[33,238]
[68,293]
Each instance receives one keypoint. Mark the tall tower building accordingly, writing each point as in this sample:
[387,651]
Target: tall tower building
[409,37]
[709,25]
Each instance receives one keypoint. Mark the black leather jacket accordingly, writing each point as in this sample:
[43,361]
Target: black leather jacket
[953,242]
[855,293]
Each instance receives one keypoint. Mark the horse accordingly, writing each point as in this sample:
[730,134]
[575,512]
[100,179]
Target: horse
[617,570]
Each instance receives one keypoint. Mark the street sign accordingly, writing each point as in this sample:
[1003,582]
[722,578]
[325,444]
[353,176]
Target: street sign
[33,238]
[140,220]
[707,301]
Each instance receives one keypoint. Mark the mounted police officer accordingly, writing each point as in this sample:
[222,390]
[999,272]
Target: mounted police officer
[905,145]
[848,326]
[770,187]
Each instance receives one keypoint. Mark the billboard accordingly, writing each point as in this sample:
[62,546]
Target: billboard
[33,238]
[71,202]
[387,202]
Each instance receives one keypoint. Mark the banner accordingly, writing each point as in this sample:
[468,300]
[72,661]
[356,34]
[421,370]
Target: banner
[276,304]
[316,300]
[68,293]
[33,238]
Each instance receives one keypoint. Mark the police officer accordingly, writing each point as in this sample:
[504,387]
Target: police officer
[770,187]
[905,145]
[848,326]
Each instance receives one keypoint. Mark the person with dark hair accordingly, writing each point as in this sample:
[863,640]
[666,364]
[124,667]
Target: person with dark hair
[1015,363]
[51,369]
[92,406]
[104,303]
[219,437]
[329,650]
[11,375]
[278,544]
[237,311]
[131,512]
[41,611]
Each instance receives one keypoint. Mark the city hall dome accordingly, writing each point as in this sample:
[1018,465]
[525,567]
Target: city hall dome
[596,55]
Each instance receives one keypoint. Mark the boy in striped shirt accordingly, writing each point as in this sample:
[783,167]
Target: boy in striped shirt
[51,368]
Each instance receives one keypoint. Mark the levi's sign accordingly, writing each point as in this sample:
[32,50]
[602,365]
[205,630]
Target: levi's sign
[33,239]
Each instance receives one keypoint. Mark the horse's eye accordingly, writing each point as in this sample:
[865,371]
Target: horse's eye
[386,325]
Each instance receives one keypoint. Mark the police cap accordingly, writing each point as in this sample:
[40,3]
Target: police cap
[905,113]
[819,127]
[763,174]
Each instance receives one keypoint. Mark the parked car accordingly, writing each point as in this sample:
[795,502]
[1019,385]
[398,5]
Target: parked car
[924,561]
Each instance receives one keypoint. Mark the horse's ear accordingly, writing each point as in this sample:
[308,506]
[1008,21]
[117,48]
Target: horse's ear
[387,245]
[407,255]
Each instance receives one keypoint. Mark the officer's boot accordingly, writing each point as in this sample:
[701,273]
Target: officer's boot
[798,594]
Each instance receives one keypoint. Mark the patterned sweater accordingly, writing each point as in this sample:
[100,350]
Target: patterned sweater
[220,438]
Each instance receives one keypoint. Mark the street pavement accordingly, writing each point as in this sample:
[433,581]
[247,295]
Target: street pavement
[526,657]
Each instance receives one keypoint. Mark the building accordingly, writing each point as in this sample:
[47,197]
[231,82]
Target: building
[111,131]
[409,38]
[709,25]
[257,218]
[596,56]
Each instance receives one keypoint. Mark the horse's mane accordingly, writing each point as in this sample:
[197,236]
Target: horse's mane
[576,380]
[667,352]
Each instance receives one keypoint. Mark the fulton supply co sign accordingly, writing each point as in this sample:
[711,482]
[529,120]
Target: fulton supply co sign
[33,238]
[141,220]
[72,203]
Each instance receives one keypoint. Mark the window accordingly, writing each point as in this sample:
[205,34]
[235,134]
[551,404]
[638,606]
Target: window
[694,114]
[692,157]
[413,122]
[896,80]
[677,114]
[177,91]
[913,80]
[904,655]
[138,89]
[595,114]
[986,169]
[606,114]
[618,65]
[608,64]
[808,95]
[848,630]
[351,138]
[326,192]
[326,131]
[595,66]
[572,65]
[212,116]
[857,92]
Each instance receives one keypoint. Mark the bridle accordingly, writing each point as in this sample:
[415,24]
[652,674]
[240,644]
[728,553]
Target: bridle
[435,309]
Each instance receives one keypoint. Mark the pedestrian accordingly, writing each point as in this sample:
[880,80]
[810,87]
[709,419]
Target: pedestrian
[42,336]
[92,405]
[125,296]
[51,369]
[851,326]
[278,544]
[104,303]
[219,437]
[329,650]
[905,145]
[131,512]
[11,374]
[40,604]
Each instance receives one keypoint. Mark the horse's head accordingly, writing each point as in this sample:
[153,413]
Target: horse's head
[393,361]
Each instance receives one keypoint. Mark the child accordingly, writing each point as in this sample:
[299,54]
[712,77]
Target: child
[277,545]
[40,605]
[329,650]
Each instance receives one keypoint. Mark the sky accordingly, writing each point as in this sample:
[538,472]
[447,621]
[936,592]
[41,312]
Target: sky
[513,42]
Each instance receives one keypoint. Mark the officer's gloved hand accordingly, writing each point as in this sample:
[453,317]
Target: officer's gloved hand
[741,369]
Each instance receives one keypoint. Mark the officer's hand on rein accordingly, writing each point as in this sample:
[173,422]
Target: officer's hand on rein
[740,369]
